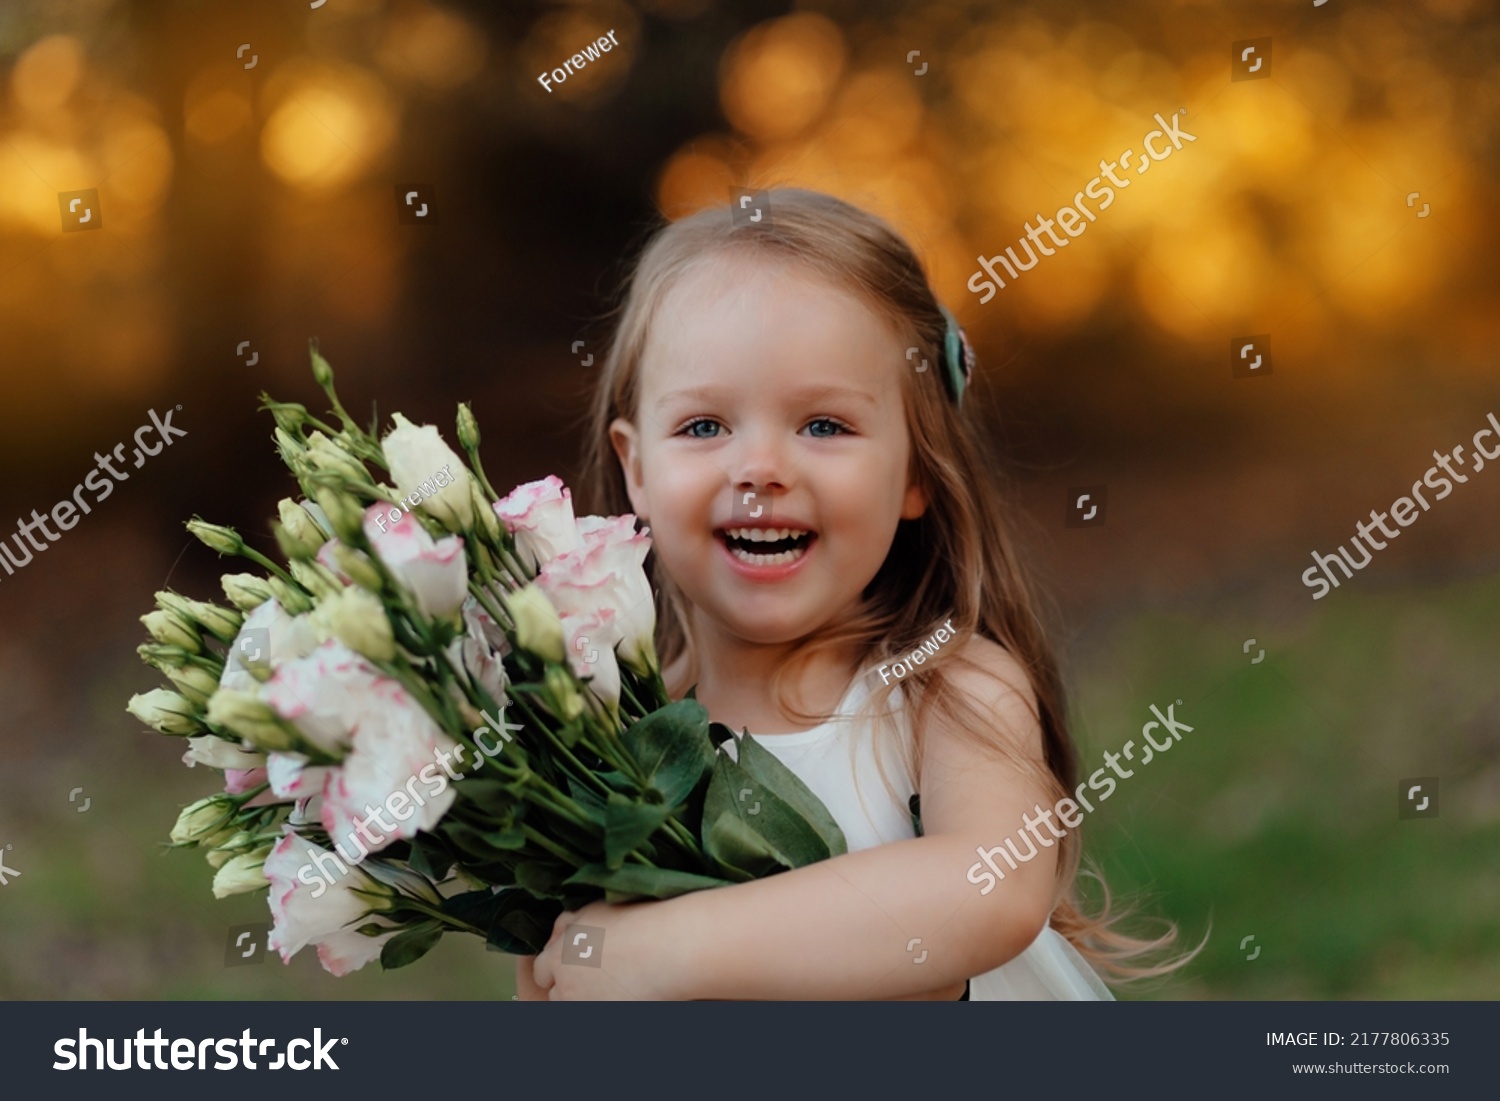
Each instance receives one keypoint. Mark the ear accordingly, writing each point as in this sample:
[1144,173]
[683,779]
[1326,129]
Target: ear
[914,503]
[624,438]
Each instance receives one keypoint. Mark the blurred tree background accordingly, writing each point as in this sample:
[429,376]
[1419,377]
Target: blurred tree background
[247,158]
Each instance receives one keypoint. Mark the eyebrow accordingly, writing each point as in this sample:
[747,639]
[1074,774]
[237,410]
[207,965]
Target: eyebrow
[697,394]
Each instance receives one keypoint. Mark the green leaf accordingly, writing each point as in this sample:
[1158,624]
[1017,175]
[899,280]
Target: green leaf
[914,805]
[739,848]
[430,857]
[486,845]
[589,801]
[640,881]
[411,945]
[494,796]
[718,733]
[628,825]
[542,879]
[764,767]
[522,923]
[733,791]
[476,908]
[671,745]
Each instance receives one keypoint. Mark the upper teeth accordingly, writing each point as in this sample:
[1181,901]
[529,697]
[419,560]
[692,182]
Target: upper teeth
[763,535]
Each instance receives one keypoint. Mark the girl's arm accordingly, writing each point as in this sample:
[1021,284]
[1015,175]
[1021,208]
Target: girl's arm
[887,922]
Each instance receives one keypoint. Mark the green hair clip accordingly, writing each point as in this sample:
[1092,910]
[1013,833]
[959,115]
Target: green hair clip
[958,358]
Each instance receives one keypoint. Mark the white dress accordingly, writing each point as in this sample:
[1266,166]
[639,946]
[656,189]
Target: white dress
[841,761]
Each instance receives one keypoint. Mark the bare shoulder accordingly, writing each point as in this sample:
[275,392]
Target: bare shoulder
[998,686]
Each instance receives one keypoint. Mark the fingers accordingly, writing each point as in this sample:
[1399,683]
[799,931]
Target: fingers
[527,988]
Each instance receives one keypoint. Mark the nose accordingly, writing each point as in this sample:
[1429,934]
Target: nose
[760,462]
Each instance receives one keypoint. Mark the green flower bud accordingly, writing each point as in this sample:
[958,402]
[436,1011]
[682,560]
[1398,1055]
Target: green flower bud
[468,428]
[484,511]
[539,629]
[326,456]
[246,591]
[563,694]
[293,450]
[291,549]
[291,597]
[216,536]
[356,618]
[316,579]
[202,820]
[300,527]
[162,657]
[195,683]
[242,874]
[245,714]
[223,623]
[321,368]
[166,712]
[343,512]
[290,416]
[358,567]
[171,629]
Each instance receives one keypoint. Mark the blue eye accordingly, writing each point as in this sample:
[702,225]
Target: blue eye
[824,428]
[692,429]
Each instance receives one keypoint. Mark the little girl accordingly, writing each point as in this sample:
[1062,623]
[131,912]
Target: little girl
[781,405]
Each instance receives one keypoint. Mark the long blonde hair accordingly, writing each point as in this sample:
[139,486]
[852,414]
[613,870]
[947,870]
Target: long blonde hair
[981,587]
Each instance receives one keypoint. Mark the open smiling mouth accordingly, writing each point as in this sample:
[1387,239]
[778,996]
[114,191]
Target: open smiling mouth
[766,546]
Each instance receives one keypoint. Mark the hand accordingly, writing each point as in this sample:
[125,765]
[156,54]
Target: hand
[526,988]
[628,968]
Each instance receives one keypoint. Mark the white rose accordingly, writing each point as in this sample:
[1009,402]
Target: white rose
[540,516]
[428,474]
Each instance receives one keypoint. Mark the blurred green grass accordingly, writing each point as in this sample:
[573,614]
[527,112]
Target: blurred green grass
[1275,817]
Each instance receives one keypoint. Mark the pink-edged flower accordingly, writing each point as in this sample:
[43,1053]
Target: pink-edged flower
[313,901]
[324,694]
[480,650]
[393,761]
[435,572]
[237,781]
[608,572]
[591,652]
[291,778]
[268,637]
[540,516]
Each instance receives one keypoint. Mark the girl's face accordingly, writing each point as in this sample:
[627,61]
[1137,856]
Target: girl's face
[769,452]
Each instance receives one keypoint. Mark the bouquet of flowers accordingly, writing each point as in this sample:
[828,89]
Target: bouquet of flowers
[445,711]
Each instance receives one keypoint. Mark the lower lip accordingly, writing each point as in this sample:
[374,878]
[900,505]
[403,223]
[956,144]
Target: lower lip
[765,573]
